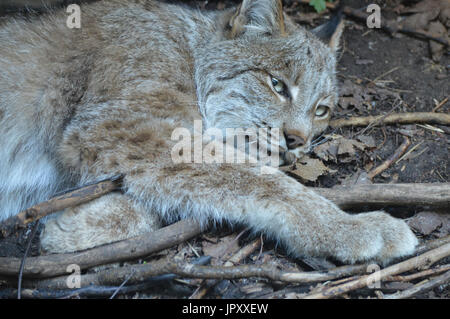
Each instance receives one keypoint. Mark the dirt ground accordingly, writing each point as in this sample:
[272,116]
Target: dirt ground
[379,73]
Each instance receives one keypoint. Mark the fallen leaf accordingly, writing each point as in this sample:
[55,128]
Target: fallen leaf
[437,30]
[358,96]
[310,169]
[420,21]
[339,145]
[226,245]
[429,222]
[367,140]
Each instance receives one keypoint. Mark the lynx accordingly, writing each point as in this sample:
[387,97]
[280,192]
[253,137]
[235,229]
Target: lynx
[78,105]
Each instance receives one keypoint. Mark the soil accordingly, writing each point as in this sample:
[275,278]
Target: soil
[416,82]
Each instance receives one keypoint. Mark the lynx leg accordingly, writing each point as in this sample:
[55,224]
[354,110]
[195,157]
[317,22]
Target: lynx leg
[279,206]
[107,219]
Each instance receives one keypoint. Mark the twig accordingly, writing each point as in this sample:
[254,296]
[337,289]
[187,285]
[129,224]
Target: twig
[391,160]
[383,75]
[440,104]
[422,261]
[73,198]
[391,28]
[121,285]
[435,195]
[116,276]
[398,118]
[379,119]
[421,287]
[137,247]
[428,272]
[432,244]
[235,259]
[405,156]
[25,254]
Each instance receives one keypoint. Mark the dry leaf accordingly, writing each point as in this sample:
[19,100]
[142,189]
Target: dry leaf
[310,169]
[367,140]
[226,245]
[352,94]
[437,30]
[420,21]
[429,222]
[340,145]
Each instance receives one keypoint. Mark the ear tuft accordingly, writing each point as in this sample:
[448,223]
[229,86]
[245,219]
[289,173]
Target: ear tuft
[263,16]
[331,31]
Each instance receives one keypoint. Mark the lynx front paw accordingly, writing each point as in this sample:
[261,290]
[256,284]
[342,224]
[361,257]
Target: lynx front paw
[398,239]
[381,238]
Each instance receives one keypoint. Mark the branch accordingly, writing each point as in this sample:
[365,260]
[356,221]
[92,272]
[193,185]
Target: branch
[421,287]
[141,272]
[243,253]
[68,199]
[415,194]
[391,160]
[424,273]
[422,261]
[133,248]
[396,118]
[432,244]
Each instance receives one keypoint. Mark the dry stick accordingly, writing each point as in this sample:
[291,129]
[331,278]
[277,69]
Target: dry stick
[141,272]
[24,258]
[397,118]
[133,248]
[380,119]
[391,160]
[383,75]
[432,244]
[421,287]
[243,253]
[435,195]
[121,286]
[440,104]
[203,287]
[73,198]
[391,29]
[425,273]
[422,261]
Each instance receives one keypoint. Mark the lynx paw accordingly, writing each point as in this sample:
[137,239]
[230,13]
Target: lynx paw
[398,239]
[381,239]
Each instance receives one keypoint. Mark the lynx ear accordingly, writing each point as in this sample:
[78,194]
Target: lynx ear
[264,16]
[331,31]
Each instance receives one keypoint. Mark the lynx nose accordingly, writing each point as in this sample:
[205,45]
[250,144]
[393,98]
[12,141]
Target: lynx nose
[293,139]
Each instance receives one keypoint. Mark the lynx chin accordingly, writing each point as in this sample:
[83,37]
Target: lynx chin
[78,105]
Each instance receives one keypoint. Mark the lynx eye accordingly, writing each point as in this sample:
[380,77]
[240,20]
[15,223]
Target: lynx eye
[322,110]
[279,87]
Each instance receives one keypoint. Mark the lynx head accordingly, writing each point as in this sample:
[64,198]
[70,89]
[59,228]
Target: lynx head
[262,70]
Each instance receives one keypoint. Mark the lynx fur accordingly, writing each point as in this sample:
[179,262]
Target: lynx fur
[77,105]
